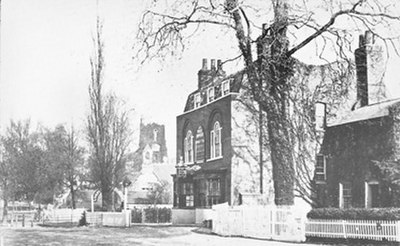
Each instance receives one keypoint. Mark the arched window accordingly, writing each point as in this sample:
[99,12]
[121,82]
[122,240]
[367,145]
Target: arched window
[215,141]
[189,147]
[199,144]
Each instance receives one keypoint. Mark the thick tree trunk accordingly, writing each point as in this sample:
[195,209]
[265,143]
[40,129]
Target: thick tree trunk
[269,78]
[72,196]
[106,199]
[281,152]
[5,211]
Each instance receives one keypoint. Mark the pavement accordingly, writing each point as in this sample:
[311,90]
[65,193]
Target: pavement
[137,235]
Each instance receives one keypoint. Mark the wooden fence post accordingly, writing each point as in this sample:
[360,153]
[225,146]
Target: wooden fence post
[344,228]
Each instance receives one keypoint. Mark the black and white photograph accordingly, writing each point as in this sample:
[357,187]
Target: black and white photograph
[199,122]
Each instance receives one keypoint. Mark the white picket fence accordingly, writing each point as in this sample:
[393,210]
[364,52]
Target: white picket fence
[265,222]
[380,230]
[62,215]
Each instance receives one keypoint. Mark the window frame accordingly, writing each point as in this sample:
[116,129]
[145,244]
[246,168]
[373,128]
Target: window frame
[188,142]
[186,193]
[320,173]
[213,197]
[345,195]
[198,143]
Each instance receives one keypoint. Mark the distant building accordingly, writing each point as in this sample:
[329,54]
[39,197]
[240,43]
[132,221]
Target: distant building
[150,166]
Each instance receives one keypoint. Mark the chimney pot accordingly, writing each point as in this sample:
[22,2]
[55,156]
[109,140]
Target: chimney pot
[212,64]
[219,64]
[264,28]
[204,67]
[369,38]
[361,42]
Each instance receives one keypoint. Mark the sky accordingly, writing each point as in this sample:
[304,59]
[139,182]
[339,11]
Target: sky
[45,71]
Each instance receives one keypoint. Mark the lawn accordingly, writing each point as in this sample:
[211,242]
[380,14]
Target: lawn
[76,236]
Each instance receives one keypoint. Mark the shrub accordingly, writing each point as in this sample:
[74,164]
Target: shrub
[82,221]
[150,214]
[157,215]
[355,213]
[164,215]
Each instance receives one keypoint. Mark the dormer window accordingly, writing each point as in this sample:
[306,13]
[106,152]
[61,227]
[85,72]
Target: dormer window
[210,94]
[225,88]
[197,100]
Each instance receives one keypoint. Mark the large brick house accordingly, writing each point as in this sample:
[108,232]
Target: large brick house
[217,144]
[347,173]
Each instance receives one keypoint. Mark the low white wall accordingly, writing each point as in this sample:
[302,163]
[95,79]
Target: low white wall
[183,216]
[203,214]
[114,219]
[117,219]
[264,222]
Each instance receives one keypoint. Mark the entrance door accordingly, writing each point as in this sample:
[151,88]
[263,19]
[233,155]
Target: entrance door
[372,194]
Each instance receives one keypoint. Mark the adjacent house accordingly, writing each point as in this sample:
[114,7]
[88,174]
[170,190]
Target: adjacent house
[347,172]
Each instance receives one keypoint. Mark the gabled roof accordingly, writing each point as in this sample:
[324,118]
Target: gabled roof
[164,171]
[368,112]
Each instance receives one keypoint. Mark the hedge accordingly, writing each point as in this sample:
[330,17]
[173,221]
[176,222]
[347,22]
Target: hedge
[136,215]
[355,213]
[151,215]
[157,215]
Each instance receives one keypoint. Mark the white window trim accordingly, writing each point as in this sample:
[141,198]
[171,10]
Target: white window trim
[213,142]
[366,195]
[341,195]
[220,140]
[215,158]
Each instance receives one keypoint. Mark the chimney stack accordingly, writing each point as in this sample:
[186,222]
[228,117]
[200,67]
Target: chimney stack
[369,71]
[207,75]
[361,73]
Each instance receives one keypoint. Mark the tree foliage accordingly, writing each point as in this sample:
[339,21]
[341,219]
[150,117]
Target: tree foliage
[326,28]
[36,166]
[65,155]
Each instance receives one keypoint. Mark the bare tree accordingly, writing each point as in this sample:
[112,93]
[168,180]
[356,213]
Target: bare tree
[160,193]
[108,129]
[294,26]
